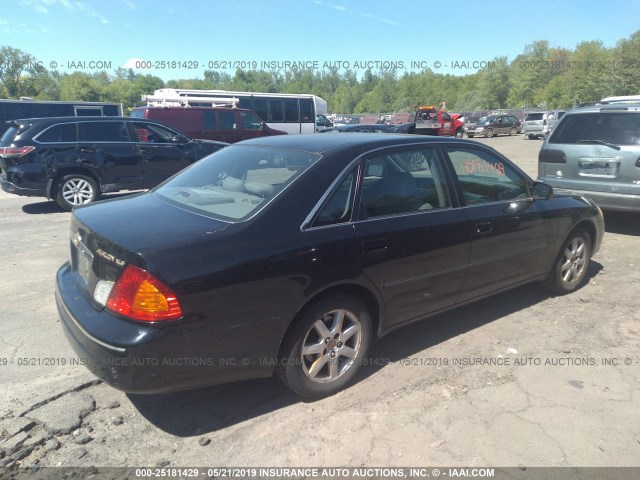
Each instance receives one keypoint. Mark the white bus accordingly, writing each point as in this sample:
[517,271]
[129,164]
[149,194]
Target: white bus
[288,112]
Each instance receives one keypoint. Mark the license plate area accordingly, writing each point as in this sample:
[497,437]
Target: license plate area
[599,168]
[84,263]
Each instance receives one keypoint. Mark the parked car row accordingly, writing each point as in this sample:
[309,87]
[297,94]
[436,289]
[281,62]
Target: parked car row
[540,124]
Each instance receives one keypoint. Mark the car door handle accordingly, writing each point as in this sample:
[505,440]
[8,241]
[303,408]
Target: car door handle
[374,246]
[484,228]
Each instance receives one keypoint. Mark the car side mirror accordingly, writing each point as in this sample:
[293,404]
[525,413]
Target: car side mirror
[541,191]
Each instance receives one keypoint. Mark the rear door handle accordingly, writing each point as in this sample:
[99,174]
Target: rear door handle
[374,246]
[484,228]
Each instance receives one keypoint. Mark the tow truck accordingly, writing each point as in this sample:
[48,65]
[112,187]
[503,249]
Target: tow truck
[431,120]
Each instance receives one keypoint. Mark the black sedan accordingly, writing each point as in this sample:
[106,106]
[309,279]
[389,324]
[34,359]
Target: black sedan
[291,254]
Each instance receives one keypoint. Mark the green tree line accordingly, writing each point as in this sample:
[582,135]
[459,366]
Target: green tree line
[540,76]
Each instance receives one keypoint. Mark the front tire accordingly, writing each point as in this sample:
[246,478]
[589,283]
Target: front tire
[489,133]
[75,189]
[325,347]
[570,268]
[459,133]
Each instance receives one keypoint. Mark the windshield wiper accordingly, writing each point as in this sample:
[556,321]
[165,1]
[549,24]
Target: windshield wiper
[601,142]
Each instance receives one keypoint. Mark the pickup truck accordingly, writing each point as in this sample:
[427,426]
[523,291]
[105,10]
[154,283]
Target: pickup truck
[430,120]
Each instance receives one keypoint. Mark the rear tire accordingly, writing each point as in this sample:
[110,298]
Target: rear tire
[570,268]
[325,347]
[513,131]
[75,189]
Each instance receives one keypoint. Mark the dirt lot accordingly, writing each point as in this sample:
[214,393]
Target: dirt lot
[521,379]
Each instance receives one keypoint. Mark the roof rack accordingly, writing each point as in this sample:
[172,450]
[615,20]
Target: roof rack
[173,99]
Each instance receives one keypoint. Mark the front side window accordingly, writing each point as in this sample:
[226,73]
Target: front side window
[250,121]
[484,178]
[237,181]
[403,182]
[103,132]
[151,133]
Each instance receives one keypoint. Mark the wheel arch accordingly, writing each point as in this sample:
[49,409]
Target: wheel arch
[366,296]
[61,172]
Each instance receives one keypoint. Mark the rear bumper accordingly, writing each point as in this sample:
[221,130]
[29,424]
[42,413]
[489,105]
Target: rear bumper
[145,358]
[10,187]
[606,200]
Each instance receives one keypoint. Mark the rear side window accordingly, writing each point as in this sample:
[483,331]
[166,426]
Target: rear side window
[62,133]
[534,116]
[103,132]
[8,136]
[210,122]
[619,128]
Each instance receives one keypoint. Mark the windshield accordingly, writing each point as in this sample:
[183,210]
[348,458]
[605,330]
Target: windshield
[237,181]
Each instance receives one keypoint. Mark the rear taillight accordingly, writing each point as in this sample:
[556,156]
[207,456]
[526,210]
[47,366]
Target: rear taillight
[551,156]
[139,295]
[12,152]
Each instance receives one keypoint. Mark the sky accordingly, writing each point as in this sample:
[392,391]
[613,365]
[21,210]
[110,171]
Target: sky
[191,36]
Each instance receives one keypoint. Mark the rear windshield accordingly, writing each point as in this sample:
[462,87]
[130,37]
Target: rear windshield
[8,136]
[619,128]
[534,116]
[237,181]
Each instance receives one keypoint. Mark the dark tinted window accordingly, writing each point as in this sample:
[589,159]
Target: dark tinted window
[534,116]
[66,132]
[261,107]
[250,121]
[152,133]
[244,102]
[485,178]
[88,111]
[210,122]
[306,109]
[102,132]
[620,128]
[8,136]
[227,120]
[291,110]
[276,111]
[403,182]
[339,206]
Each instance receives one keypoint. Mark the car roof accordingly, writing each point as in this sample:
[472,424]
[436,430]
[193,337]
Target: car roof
[312,142]
[73,118]
[610,107]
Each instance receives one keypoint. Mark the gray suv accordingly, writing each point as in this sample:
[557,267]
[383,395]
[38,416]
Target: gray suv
[540,124]
[595,152]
